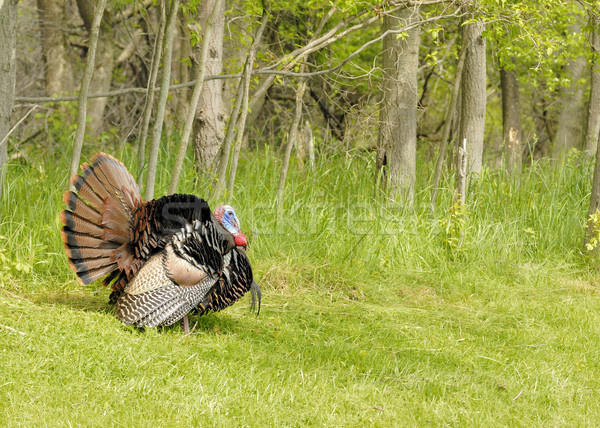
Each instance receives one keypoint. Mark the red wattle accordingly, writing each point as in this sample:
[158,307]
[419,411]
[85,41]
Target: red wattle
[240,240]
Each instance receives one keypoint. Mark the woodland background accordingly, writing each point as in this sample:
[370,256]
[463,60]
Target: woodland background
[418,180]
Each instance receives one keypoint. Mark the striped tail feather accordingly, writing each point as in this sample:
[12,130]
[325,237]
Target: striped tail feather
[164,305]
[97,218]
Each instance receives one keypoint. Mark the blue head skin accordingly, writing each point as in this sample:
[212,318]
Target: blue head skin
[226,216]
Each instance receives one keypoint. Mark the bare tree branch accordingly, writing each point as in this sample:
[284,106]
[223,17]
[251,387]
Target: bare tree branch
[136,8]
[292,58]
[5,139]
[129,50]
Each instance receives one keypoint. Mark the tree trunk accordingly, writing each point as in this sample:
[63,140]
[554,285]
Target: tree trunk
[162,100]
[259,98]
[457,211]
[183,68]
[543,128]
[223,158]
[396,151]
[210,115]
[58,72]
[593,122]
[594,197]
[189,117]
[149,103]
[511,120]
[90,60]
[570,124]
[292,138]
[102,78]
[450,115]
[8,67]
[309,144]
[473,95]
[462,174]
[241,123]
[104,65]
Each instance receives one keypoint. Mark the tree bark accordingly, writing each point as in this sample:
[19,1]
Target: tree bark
[189,120]
[57,71]
[593,122]
[473,100]
[511,121]
[104,65]
[8,67]
[569,132]
[210,115]
[396,151]
[162,101]
[85,87]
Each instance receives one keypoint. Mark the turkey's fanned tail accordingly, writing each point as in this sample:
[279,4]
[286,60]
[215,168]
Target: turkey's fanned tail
[98,217]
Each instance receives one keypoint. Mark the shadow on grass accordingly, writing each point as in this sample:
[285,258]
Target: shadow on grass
[209,324]
[213,323]
[77,300]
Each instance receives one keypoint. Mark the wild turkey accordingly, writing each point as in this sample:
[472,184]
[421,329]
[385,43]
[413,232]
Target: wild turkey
[162,258]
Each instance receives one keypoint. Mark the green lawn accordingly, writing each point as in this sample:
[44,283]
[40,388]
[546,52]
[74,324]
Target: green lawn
[370,316]
[522,354]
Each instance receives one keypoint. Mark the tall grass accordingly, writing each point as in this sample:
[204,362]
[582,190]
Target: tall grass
[331,220]
[373,313]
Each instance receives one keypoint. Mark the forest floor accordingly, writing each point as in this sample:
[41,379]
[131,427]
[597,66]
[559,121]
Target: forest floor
[360,325]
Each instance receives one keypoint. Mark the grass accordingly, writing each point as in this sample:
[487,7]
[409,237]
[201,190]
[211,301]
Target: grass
[373,314]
